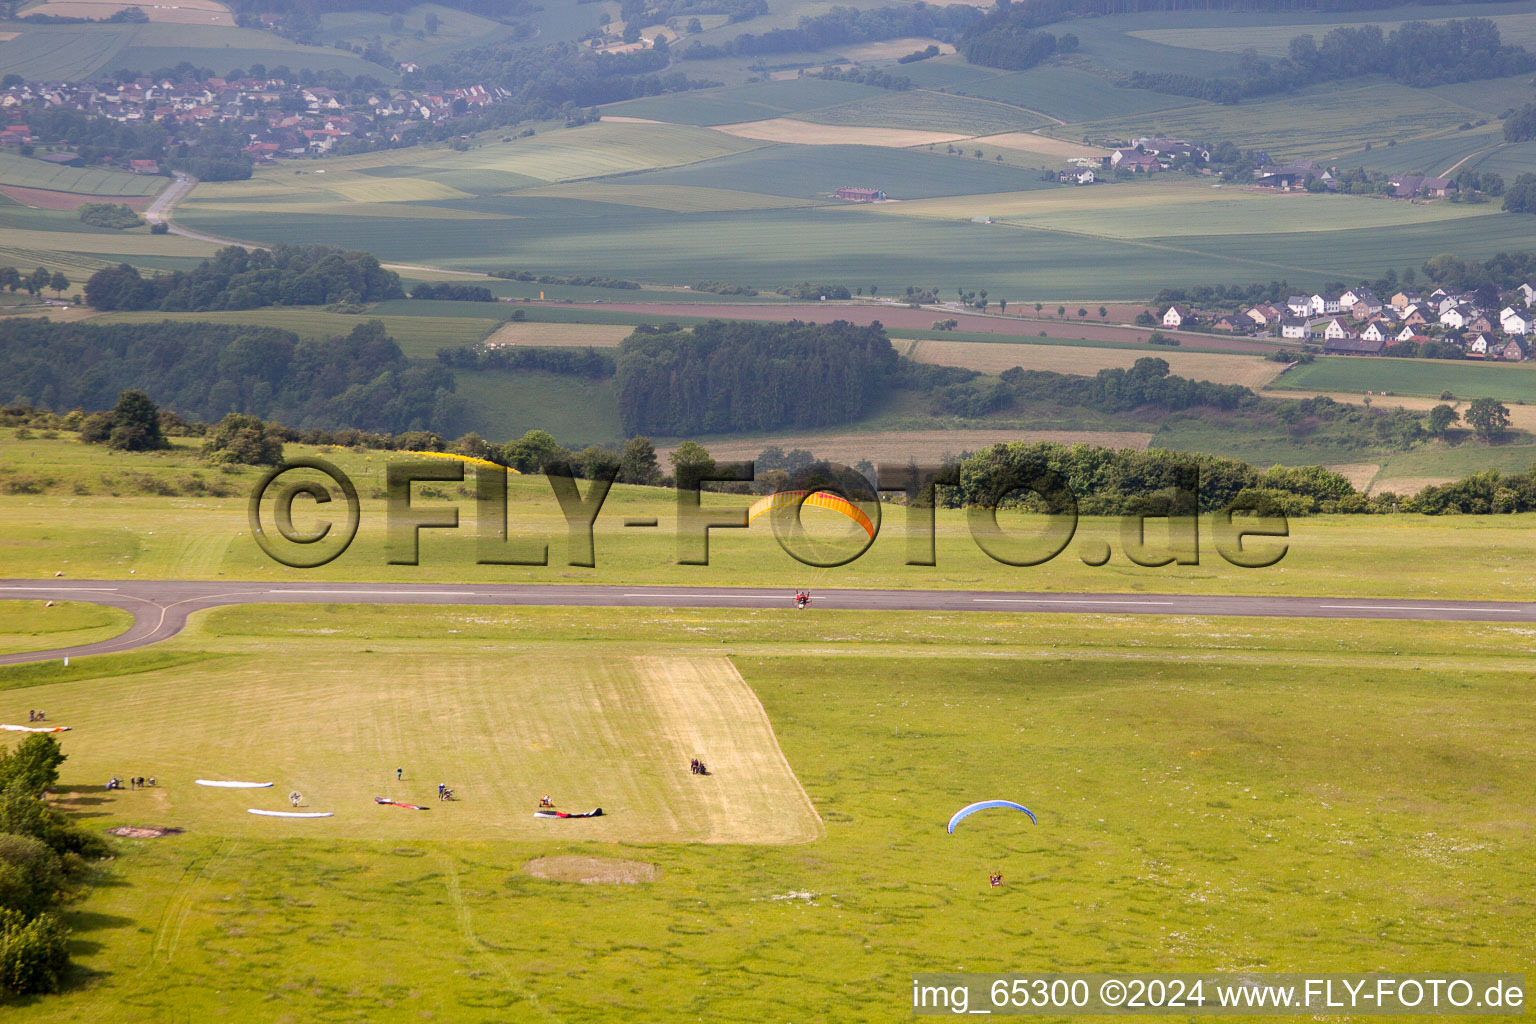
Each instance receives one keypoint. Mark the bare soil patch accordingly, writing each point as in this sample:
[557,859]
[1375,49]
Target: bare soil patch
[592,870]
[141,832]
[48,199]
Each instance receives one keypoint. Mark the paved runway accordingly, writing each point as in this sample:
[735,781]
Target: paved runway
[160,609]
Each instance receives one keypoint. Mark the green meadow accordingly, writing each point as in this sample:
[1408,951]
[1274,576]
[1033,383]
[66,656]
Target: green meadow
[1509,382]
[84,512]
[1217,795]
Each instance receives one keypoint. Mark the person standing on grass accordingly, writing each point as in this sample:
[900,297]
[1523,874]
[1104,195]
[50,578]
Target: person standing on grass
[399,774]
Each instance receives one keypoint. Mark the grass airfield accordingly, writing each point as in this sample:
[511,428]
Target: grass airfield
[1213,794]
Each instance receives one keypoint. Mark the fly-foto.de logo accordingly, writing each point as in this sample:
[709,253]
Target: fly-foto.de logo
[1245,533]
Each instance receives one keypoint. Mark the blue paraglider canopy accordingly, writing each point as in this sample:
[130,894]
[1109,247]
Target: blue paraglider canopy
[970,809]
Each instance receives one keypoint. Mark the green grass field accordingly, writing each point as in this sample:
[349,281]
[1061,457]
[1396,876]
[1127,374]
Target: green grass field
[1510,382]
[1212,795]
[1070,94]
[32,626]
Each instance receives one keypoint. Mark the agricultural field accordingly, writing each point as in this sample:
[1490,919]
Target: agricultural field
[1272,40]
[991,357]
[508,405]
[933,111]
[26,172]
[456,30]
[54,52]
[1320,123]
[559,335]
[183,12]
[1509,382]
[751,102]
[1070,94]
[1176,206]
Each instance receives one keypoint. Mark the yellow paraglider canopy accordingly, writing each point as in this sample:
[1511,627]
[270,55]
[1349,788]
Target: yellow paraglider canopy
[465,458]
[820,499]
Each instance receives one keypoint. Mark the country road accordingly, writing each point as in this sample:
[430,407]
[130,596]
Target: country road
[160,609]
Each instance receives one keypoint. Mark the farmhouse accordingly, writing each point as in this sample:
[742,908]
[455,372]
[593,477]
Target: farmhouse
[1075,175]
[1375,332]
[1230,323]
[1408,186]
[860,195]
[1263,314]
[1299,305]
[1324,305]
[1178,315]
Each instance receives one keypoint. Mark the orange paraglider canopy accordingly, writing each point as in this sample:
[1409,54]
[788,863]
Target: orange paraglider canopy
[820,499]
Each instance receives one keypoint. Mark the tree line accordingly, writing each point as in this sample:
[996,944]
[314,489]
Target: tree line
[1418,54]
[44,856]
[204,371]
[237,278]
[723,377]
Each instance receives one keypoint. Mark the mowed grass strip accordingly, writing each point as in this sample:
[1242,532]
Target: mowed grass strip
[37,626]
[1249,371]
[501,730]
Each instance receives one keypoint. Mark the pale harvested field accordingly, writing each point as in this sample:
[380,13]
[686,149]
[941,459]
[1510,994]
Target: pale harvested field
[183,12]
[892,48]
[677,198]
[1359,474]
[559,335]
[49,199]
[894,446]
[805,133]
[630,120]
[501,727]
[1406,486]
[1030,142]
[990,357]
[6,37]
[306,202]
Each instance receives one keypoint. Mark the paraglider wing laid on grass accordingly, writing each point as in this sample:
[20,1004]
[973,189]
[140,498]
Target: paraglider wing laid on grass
[566,814]
[396,803]
[970,809]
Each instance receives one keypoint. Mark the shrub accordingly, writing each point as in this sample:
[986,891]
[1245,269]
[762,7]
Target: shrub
[33,954]
[245,440]
[31,875]
[118,216]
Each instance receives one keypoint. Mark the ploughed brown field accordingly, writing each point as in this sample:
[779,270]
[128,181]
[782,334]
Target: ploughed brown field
[49,199]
